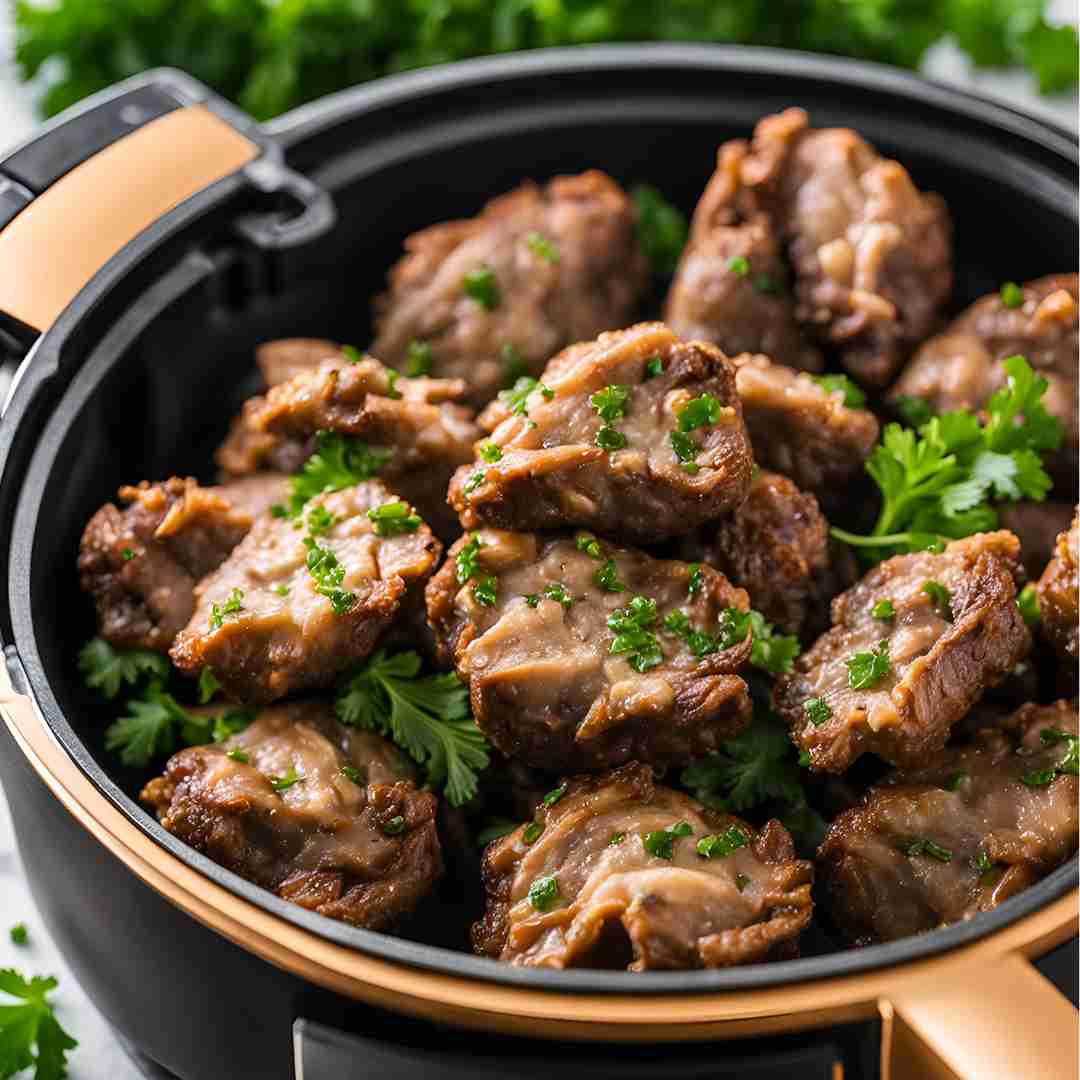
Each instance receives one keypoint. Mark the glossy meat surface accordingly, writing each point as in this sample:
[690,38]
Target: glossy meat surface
[278,361]
[732,286]
[261,621]
[1057,592]
[942,652]
[529,633]
[360,846]
[551,265]
[618,904]
[141,560]
[554,468]
[999,811]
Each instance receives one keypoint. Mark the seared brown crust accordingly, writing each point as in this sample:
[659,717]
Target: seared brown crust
[1057,591]
[961,367]
[279,643]
[620,906]
[776,546]
[802,430]
[872,255]
[545,303]
[415,421]
[327,843]
[141,563]
[731,286]
[543,683]
[939,665]
[972,802]
[280,360]
[552,473]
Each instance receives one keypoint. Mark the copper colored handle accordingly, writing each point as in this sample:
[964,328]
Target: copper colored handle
[1000,1020]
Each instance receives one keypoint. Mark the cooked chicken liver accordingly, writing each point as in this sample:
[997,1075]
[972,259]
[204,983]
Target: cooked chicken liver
[776,546]
[961,367]
[293,608]
[141,561]
[893,683]
[616,877]
[871,254]
[316,812]
[944,841]
[498,295]
[802,430]
[1057,592]
[280,360]
[637,434]
[570,655]
[732,285]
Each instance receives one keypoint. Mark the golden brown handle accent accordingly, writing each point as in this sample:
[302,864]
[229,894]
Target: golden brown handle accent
[997,1020]
[51,249]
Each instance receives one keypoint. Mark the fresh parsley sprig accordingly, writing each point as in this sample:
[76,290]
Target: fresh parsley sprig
[427,716]
[107,669]
[339,462]
[30,1035]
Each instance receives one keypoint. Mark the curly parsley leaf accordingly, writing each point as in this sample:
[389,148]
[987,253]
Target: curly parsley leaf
[854,398]
[772,652]
[107,669]
[30,1035]
[339,462]
[427,716]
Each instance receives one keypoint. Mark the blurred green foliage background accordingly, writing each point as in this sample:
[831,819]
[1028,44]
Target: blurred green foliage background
[269,55]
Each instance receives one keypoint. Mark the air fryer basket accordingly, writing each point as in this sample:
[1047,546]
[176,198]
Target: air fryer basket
[137,374]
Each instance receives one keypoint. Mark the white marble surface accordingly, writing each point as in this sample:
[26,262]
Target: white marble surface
[98,1055]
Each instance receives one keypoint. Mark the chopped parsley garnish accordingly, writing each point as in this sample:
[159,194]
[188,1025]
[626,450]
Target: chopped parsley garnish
[661,229]
[18,934]
[395,826]
[720,846]
[338,463]
[516,398]
[772,652]
[490,453]
[531,833]
[913,411]
[982,862]
[739,264]
[486,590]
[854,398]
[883,610]
[606,577]
[662,842]
[467,561]
[589,544]
[531,599]
[1028,603]
[817,711]
[417,359]
[392,391]
[653,366]
[127,554]
[351,772]
[741,881]
[865,669]
[474,481]
[610,403]
[328,574]
[734,626]
[616,839]
[686,449]
[286,781]
[106,668]
[697,641]
[352,354]
[544,893]
[557,591]
[319,520]
[238,756]
[804,759]
[30,1035]
[1012,296]
[699,412]
[633,636]
[939,596]
[610,439]
[922,846]
[394,519]
[553,796]
[232,606]
[208,685]
[426,716]
[954,780]
[697,579]
[1068,764]
[281,590]
[765,284]
[480,285]
[942,480]
[540,245]
[513,364]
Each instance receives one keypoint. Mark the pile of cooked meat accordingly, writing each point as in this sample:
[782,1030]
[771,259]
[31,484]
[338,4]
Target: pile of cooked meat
[590,521]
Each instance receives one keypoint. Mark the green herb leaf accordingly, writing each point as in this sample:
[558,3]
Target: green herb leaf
[238,756]
[106,668]
[662,842]
[923,846]
[1028,603]
[588,543]
[394,519]
[208,685]
[541,246]
[18,934]
[30,1035]
[516,398]
[481,286]
[544,893]
[283,783]
[490,453]
[661,229]
[883,610]
[955,779]
[616,839]
[817,711]
[319,520]
[720,846]
[696,580]
[328,574]
[557,591]
[610,439]
[232,606]
[486,590]
[653,366]
[854,398]
[532,832]
[914,411]
[417,359]
[734,626]
[468,559]
[866,669]
[606,577]
[739,264]
[940,597]
[699,412]
[553,796]
[338,463]
[1012,296]
[633,634]
[610,403]
[395,826]
[514,365]
[772,652]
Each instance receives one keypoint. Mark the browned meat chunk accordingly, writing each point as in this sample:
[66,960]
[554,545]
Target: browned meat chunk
[940,843]
[731,284]
[637,434]
[776,546]
[581,654]
[313,811]
[280,360]
[291,609]
[913,646]
[418,436]
[141,562]
[498,295]
[1057,591]
[872,255]
[621,873]
[961,367]
[1037,525]
[802,430]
